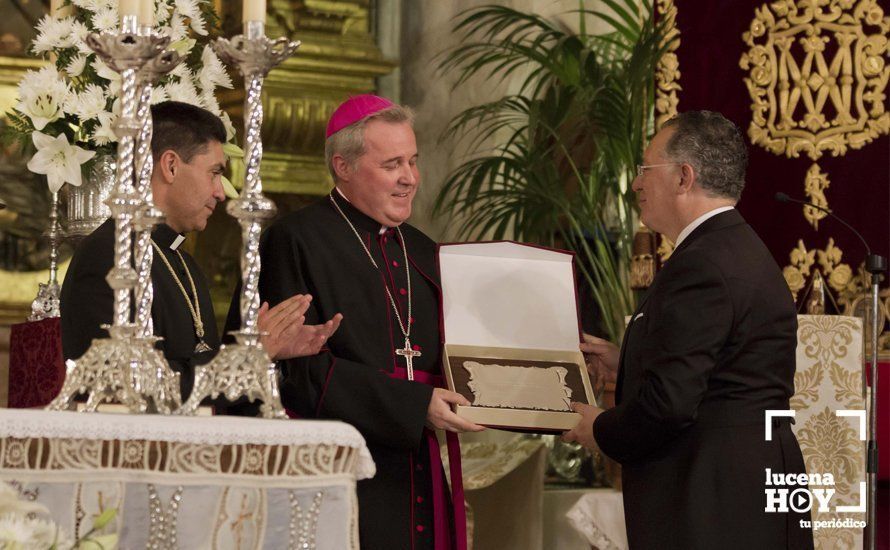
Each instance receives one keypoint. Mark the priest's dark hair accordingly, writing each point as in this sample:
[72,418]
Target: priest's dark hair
[714,147]
[349,142]
[184,128]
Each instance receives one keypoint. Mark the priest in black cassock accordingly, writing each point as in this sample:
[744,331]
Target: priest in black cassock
[186,185]
[381,372]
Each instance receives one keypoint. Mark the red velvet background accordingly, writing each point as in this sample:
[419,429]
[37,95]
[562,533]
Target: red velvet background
[710,48]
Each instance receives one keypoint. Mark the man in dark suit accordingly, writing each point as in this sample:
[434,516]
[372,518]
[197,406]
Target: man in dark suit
[710,348]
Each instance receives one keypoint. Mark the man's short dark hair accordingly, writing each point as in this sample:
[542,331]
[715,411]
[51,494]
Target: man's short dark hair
[184,128]
[714,147]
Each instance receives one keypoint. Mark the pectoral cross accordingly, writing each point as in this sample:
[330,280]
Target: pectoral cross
[409,355]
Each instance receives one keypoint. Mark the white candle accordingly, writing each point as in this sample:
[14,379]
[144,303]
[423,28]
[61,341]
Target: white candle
[254,10]
[128,7]
[146,16]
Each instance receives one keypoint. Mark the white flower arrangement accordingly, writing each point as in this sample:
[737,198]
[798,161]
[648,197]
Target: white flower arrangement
[67,108]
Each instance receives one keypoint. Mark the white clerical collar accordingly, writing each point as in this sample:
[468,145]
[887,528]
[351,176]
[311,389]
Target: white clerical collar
[700,220]
[380,231]
[176,242]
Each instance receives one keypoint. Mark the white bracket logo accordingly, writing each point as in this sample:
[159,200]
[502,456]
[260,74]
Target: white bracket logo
[770,414]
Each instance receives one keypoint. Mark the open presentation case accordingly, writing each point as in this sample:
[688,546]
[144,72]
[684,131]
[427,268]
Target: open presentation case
[510,320]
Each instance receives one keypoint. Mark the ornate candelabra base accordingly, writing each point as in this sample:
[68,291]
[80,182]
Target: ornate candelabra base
[46,304]
[125,369]
[239,370]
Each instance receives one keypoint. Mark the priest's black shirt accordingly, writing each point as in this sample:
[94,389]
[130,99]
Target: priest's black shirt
[314,251]
[87,302]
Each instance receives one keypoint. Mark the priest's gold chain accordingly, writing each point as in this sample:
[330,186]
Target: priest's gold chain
[406,332]
[194,309]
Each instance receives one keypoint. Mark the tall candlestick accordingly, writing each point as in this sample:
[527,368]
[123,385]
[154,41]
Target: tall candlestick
[254,10]
[243,369]
[125,367]
[146,17]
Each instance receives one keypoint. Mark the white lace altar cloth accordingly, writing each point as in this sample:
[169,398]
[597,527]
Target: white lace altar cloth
[190,482]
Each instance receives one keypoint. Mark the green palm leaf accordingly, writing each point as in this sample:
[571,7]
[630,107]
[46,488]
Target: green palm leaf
[552,163]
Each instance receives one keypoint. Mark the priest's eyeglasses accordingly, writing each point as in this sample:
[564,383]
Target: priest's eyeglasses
[641,168]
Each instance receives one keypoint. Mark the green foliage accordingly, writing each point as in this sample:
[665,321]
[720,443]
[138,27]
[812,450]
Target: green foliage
[567,141]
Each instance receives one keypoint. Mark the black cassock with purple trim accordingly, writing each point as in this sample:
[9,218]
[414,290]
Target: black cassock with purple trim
[359,378]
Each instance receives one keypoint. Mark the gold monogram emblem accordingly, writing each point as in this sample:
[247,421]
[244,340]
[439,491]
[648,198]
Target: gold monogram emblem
[817,75]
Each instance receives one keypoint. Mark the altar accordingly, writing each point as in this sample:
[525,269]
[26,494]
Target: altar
[190,482]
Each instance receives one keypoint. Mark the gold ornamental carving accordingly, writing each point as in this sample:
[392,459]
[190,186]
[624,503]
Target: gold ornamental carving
[850,290]
[817,76]
[667,73]
[815,184]
[838,274]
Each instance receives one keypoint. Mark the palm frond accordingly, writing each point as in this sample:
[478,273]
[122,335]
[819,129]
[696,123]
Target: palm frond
[552,162]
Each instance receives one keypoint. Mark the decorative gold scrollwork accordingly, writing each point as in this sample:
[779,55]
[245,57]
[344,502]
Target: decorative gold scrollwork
[667,73]
[851,289]
[817,75]
[838,274]
[815,185]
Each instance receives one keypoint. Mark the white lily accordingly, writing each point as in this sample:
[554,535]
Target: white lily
[58,160]
[42,95]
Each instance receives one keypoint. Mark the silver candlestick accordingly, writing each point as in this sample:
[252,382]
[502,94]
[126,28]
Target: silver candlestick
[46,304]
[126,367]
[244,369]
[147,216]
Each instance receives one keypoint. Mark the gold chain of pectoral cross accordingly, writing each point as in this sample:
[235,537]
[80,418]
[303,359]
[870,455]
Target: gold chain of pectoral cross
[407,352]
[194,308]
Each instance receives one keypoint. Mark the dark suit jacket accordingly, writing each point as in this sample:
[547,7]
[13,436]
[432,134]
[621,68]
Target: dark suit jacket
[709,349]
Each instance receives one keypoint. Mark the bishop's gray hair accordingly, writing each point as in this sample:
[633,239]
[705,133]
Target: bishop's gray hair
[349,142]
[714,147]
